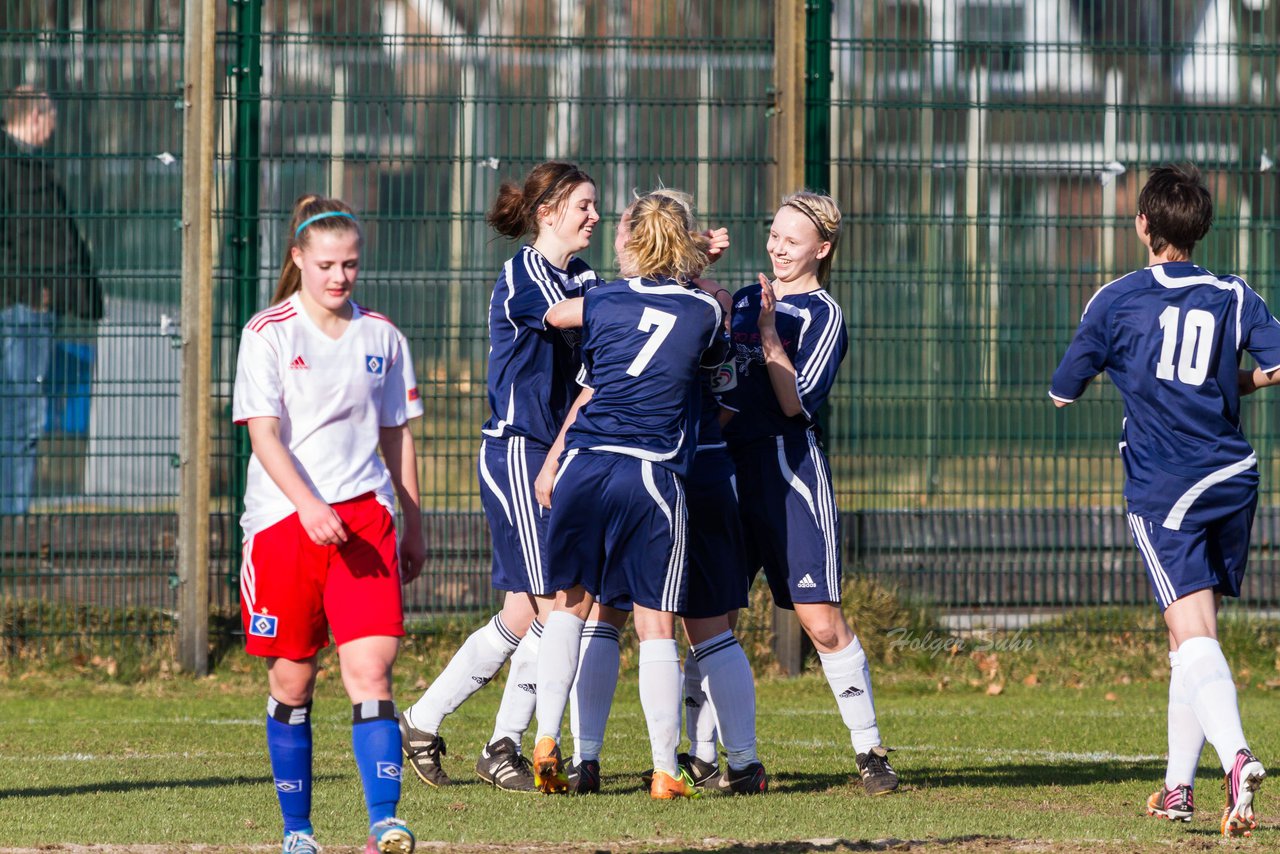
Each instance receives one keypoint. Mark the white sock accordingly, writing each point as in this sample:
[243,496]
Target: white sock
[591,697]
[727,679]
[850,680]
[699,716]
[481,655]
[557,665]
[660,699]
[521,692]
[1207,678]
[1186,737]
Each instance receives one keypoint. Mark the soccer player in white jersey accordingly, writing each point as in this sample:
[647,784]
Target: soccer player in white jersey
[618,518]
[534,358]
[1170,336]
[788,339]
[323,386]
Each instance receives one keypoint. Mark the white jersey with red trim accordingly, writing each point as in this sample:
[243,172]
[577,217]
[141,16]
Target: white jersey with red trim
[331,396]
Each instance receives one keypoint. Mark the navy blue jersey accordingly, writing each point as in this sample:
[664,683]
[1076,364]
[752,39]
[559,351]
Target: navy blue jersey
[533,368]
[644,345]
[811,326]
[1171,337]
[710,434]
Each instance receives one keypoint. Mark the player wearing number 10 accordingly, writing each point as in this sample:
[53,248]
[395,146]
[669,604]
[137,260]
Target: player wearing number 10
[1170,336]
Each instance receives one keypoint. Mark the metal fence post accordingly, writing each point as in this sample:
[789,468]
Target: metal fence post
[789,174]
[197,334]
[245,82]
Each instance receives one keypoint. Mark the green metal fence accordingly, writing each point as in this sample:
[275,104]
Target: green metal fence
[987,154]
[416,122]
[89,538]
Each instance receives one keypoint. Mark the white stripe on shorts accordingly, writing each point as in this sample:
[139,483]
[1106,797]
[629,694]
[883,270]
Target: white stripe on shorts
[493,484]
[676,525]
[828,521]
[247,573]
[796,483]
[1160,579]
[1180,507]
[568,458]
[679,562]
[522,505]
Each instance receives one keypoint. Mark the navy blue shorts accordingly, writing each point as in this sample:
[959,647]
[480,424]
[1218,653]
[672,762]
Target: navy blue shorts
[789,521]
[618,528]
[1180,562]
[517,523]
[718,575]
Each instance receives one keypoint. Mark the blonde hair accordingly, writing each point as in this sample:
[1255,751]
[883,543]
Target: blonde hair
[824,214]
[316,213]
[663,240]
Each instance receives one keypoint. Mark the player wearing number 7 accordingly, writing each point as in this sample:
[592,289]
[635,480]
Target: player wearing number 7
[618,527]
[1170,336]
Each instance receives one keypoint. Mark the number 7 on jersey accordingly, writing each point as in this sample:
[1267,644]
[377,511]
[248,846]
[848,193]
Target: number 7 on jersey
[659,324]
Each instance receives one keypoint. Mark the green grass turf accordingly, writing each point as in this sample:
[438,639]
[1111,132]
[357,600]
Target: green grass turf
[183,761]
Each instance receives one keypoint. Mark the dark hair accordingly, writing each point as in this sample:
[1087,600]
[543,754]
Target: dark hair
[340,218]
[1178,207]
[515,210]
[23,101]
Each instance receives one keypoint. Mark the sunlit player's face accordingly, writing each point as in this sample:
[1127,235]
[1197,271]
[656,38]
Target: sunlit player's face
[794,246]
[574,221]
[330,264]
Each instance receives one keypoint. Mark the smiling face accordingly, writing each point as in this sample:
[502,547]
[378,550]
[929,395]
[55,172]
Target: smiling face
[794,246]
[330,263]
[571,223]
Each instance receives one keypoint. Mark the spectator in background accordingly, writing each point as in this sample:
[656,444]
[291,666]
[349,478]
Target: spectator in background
[45,272]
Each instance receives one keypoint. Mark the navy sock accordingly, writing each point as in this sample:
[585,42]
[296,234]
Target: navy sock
[289,745]
[375,739]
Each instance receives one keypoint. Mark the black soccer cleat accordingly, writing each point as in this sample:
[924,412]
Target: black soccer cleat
[704,775]
[502,766]
[584,779]
[878,776]
[751,780]
[422,751]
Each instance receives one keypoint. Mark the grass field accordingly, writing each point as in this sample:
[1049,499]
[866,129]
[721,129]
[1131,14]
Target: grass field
[168,764]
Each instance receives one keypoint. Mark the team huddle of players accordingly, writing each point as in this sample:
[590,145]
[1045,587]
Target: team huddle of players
[651,445]
[643,457]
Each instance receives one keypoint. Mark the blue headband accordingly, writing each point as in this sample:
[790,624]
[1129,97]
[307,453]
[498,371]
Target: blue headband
[306,222]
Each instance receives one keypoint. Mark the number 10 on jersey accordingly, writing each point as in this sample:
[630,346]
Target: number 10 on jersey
[1196,340]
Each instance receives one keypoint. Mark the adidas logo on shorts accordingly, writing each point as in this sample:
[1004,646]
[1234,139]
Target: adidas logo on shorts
[806,582]
[692,703]
[527,687]
[851,691]
[480,680]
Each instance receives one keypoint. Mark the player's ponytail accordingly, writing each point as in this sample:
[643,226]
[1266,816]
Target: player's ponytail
[662,241]
[311,213]
[823,212]
[515,209]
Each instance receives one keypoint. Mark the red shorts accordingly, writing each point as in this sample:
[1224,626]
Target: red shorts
[292,592]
